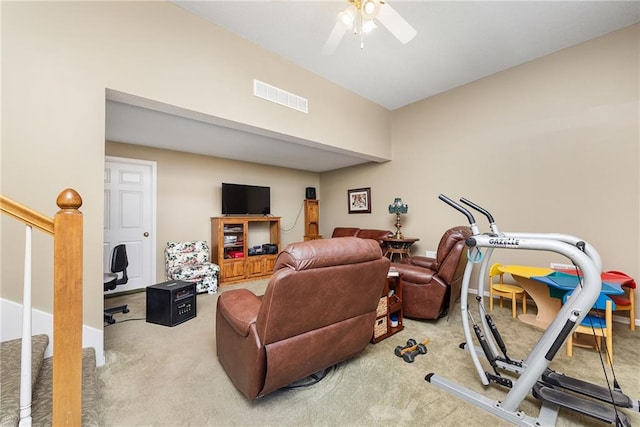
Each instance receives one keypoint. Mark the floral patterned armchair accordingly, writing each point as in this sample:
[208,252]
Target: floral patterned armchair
[189,261]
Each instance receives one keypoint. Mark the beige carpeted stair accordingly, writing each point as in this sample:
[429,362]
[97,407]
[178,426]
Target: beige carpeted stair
[41,378]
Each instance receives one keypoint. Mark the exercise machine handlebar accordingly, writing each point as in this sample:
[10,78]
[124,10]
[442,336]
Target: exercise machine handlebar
[459,208]
[472,222]
[492,222]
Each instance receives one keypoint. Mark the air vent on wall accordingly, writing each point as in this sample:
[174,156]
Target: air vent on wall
[279,96]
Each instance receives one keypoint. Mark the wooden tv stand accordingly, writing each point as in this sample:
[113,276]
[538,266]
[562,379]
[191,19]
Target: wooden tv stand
[231,239]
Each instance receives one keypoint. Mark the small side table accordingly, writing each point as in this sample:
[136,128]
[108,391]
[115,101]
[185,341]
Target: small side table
[401,247]
[389,312]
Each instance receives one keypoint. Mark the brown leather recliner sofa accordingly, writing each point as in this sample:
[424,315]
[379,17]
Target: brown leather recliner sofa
[431,286]
[318,309]
[363,233]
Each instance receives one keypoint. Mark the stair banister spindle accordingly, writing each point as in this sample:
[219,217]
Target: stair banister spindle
[25,365]
[66,228]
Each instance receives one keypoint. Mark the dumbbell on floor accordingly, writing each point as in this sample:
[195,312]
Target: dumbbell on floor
[400,350]
[409,353]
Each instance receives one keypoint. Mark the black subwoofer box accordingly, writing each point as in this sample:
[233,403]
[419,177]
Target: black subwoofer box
[171,303]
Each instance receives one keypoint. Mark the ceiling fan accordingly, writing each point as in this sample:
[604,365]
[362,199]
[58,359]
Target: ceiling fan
[361,16]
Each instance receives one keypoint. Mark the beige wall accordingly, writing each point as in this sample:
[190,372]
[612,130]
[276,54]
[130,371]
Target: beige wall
[188,194]
[549,146]
[58,59]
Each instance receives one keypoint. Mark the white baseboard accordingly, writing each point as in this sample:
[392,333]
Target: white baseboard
[42,323]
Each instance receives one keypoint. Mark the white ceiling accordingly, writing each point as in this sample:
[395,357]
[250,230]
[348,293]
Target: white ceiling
[457,42]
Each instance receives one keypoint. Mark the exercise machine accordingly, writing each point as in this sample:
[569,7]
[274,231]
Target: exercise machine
[554,390]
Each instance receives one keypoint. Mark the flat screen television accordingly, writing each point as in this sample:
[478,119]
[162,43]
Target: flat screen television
[239,199]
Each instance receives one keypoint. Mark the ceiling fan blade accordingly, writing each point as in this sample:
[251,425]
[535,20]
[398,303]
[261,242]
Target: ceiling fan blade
[395,23]
[334,38]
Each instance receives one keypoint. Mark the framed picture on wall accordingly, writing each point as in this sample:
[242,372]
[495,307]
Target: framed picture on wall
[359,200]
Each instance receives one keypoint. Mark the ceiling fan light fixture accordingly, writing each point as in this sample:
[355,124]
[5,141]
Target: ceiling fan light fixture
[370,9]
[348,16]
[362,16]
[367,26]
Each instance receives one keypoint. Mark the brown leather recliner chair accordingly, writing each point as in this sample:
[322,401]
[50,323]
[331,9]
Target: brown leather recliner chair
[431,286]
[319,309]
[363,233]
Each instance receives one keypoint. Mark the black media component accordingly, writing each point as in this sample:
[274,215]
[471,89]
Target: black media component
[270,248]
[310,193]
[171,303]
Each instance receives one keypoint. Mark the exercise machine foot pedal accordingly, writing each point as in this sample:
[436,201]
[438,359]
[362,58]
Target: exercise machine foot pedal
[499,380]
[579,404]
[511,362]
[587,389]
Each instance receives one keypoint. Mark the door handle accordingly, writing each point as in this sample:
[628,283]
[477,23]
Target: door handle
[146,234]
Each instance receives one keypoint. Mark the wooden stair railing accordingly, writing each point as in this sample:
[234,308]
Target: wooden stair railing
[66,228]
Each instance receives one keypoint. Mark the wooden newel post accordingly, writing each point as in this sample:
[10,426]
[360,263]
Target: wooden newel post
[67,309]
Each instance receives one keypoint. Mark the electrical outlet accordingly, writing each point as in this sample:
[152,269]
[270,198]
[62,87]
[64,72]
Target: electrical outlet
[430,254]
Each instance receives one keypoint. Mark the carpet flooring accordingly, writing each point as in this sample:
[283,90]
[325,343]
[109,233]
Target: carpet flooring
[169,376]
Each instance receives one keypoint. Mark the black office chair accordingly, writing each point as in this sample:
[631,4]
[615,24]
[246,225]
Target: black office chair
[119,264]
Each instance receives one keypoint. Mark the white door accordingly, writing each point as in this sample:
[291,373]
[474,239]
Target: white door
[129,217]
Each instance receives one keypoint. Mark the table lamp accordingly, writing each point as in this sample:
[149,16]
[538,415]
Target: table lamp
[398,208]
